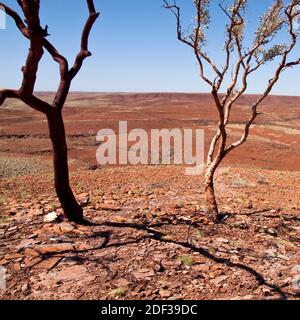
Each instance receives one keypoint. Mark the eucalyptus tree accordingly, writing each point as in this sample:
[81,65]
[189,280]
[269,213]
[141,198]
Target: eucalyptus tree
[233,76]
[30,27]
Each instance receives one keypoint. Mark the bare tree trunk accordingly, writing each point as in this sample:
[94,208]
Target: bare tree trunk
[210,198]
[72,209]
[36,35]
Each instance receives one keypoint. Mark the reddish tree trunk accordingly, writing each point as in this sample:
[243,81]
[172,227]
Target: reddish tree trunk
[72,209]
[33,31]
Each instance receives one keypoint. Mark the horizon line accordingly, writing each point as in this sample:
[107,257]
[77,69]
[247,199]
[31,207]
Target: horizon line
[162,92]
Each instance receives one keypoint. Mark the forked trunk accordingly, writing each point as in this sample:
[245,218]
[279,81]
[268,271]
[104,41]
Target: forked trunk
[210,198]
[71,208]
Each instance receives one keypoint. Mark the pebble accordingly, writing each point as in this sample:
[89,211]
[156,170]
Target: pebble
[51,217]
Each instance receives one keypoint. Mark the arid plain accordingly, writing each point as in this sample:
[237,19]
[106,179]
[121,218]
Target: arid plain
[152,214]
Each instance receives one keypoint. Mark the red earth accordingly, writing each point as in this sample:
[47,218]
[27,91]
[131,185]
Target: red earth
[151,238]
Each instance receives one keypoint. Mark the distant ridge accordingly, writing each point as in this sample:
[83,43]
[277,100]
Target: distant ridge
[169,97]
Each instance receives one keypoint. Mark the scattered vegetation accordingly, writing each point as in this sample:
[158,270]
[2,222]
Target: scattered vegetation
[186,260]
[13,167]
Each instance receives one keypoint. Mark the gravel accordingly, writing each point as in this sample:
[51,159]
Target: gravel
[13,167]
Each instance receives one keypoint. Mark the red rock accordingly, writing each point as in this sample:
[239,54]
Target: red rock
[122,282]
[12,256]
[77,273]
[165,293]
[107,207]
[144,273]
[24,244]
[66,227]
[31,253]
[54,248]
[47,264]
[218,280]
[16,267]
[201,268]
[35,212]
[83,199]
[30,262]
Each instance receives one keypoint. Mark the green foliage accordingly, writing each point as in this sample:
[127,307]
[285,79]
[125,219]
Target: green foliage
[270,23]
[186,260]
[266,55]
[202,20]
[118,293]
[4,219]
[200,234]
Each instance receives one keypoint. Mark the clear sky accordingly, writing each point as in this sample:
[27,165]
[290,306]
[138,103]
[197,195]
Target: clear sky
[134,48]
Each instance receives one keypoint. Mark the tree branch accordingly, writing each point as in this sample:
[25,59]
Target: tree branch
[33,32]
[192,41]
[282,66]
[68,75]
[31,12]
[7,93]
[19,22]
[84,52]
[36,36]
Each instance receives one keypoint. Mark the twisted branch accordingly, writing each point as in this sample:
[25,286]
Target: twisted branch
[36,35]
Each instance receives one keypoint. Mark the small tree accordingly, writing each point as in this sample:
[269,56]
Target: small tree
[32,30]
[250,59]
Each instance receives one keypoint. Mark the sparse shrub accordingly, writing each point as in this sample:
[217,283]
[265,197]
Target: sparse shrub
[186,260]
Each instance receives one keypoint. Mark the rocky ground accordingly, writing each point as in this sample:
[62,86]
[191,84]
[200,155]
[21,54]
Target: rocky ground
[149,237]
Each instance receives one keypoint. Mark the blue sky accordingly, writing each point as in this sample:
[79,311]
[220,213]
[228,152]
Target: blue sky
[134,48]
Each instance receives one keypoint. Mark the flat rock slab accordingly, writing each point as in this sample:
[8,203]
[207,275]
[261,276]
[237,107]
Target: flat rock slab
[144,273]
[79,274]
[54,248]
[47,264]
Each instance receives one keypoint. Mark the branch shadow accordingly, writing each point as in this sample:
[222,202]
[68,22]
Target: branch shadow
[159,236]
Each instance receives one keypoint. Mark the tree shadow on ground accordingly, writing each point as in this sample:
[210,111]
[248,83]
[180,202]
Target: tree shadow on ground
[156,235]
